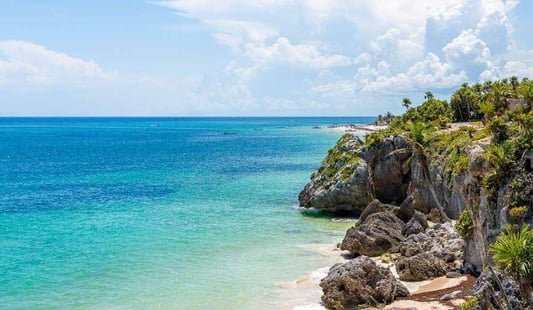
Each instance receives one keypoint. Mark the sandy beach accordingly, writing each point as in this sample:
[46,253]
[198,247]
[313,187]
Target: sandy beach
[305,293]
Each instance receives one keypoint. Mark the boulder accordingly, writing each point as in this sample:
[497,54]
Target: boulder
[406,210]
[421,218]
[360,281]
[379,233]
[417,224]
[412,227]
[374,207]
[420,267]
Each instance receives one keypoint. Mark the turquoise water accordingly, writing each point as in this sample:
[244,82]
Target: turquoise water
[168,213]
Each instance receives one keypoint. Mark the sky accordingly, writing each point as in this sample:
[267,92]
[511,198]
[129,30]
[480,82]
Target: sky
[254,57]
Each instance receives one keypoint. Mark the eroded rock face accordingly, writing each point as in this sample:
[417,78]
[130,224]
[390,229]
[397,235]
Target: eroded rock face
[441,240]
[407,209]
[380,232]
[359,281]
[420,267]
[386,159]
[489,291]
[375,206]
[412,227]
[343,182]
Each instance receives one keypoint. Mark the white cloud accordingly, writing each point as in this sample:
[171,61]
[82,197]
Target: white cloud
[25,64]
[427,73]
[306,55]
[457,38]
[322,54]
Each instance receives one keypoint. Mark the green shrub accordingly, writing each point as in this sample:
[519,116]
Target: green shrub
[465,225]
[469,304]
[518,212]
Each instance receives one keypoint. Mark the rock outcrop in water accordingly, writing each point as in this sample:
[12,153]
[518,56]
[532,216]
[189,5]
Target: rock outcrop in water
[360,281]
[343,182]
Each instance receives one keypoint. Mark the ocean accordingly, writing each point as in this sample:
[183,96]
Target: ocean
[158,213]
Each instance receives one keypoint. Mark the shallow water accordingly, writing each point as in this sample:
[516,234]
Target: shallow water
[186,213]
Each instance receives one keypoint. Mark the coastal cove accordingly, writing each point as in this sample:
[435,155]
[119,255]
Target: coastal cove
[163,213]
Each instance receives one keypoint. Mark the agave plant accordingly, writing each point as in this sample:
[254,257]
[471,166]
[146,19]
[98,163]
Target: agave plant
[513,252]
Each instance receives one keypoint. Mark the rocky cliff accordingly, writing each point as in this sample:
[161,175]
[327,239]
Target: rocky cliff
[424,167]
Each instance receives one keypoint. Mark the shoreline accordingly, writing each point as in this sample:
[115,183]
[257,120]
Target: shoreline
[305,293]
[355,128]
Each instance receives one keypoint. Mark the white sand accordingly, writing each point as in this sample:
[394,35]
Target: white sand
[305,293]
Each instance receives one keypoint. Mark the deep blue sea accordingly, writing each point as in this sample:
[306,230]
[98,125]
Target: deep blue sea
[166,213]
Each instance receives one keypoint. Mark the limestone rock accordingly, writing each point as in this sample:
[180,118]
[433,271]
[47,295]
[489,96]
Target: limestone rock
[435,216]
[379,233]
[359,281]
[374,207]
[489,291]
[441,240]
[420,267]
[386,159]
[406,210]
[412,227]
[343,182]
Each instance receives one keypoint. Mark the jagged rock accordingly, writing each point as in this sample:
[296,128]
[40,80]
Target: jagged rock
[489,292]
[379,233]
[440,240]
[343,182]
[421,187]
[359,281]
[386,159]
[412,227]
[406,210]
[410,247]
[420,267]
[374,207]
[421,218]
[435,216]
[416,224]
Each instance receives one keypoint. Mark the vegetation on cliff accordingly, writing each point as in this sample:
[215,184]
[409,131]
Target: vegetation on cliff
[469,159]
[494,119]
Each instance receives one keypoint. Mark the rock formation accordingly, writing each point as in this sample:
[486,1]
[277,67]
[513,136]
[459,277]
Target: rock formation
[343,182]
[420,267]
[360,281]
[380,233]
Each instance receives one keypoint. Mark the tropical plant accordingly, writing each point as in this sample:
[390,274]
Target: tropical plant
[418,137]
[406,103]
[513,252]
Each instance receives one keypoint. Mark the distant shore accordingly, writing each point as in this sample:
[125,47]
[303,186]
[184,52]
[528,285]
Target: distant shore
[354,128]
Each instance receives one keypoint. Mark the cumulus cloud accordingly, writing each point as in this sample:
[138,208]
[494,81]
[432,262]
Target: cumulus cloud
[397,46]
[322,54]
[24,64]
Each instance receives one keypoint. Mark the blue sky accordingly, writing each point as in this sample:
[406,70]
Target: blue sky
[262,57]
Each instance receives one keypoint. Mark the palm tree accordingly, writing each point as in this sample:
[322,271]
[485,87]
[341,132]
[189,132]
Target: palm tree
[406,103]
[429,96]
[418,139]
[513,251]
